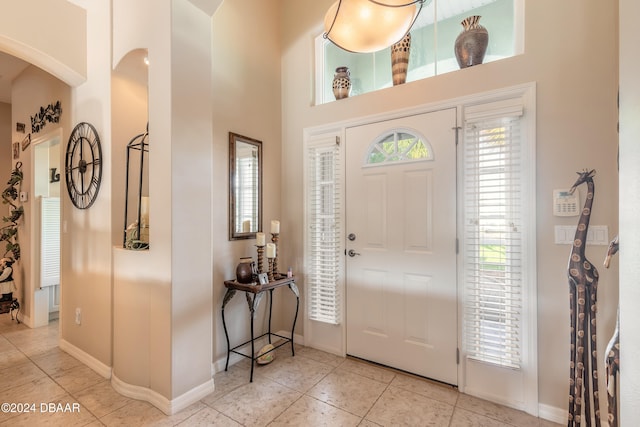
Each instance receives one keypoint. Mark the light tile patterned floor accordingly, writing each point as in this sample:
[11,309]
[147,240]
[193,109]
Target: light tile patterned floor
[311,389]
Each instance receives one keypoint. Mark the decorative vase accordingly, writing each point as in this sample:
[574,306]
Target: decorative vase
[471,43]
[244,270]
[400,60]
[341,83]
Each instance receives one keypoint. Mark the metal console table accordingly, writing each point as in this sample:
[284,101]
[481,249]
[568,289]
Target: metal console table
[254,293]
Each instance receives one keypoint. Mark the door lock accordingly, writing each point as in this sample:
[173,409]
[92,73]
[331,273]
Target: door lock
[352,253]
[351,237]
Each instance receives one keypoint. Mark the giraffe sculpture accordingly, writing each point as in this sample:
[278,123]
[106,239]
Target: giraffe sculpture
[612,358]
[583,287]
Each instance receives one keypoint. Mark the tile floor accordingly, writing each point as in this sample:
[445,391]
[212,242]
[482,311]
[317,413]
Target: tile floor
[311,389]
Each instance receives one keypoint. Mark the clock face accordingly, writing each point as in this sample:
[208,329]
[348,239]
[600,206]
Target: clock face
[83,165]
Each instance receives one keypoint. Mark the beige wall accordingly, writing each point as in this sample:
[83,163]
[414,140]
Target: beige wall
[30,91]
[6,144]
[576,129]
[263,88]
[55,47]
[162,297]
[86,262]
[5,140]
[246,100]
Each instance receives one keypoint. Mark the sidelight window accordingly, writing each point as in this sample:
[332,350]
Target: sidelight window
[323,234]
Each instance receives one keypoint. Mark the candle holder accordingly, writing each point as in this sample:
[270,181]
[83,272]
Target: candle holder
[270,271]
[260,258]
[274,239]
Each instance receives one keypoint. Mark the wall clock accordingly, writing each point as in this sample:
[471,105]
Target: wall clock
[83,165]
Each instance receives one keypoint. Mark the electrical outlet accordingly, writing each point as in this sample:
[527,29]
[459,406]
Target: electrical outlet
[78,316]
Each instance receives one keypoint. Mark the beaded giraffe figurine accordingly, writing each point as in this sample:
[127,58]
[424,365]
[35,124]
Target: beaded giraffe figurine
[612,358]
[583,287]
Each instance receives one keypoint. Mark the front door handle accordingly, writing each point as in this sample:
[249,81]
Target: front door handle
[352,253]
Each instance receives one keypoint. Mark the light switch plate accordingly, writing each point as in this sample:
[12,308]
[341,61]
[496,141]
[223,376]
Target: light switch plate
[596,234]
[24,196]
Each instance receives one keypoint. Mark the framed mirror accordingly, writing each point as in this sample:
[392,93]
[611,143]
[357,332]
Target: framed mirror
[245,187]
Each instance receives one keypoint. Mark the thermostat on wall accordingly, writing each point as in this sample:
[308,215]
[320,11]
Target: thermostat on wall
[565,203]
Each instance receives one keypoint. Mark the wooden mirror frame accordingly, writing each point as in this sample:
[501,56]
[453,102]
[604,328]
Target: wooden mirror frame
[236,231]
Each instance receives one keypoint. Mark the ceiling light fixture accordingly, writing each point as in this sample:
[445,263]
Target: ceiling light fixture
[366,26]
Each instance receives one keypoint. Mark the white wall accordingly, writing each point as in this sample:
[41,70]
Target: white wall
[576,129]
[629,213]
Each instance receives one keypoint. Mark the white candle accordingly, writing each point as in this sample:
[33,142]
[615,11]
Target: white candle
[260,239]
[246,226]
[275,227]
[271,250]
[144,211]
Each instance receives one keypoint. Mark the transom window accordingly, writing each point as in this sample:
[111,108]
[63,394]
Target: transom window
[399,146]
[432,46]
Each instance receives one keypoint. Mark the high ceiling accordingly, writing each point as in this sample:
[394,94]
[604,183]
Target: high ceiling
[10,67]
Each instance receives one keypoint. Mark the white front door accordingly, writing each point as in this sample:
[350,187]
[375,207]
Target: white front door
[401,264]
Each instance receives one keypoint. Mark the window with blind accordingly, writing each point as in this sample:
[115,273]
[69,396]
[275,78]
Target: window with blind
[494,222]
[323,231]
[246,197]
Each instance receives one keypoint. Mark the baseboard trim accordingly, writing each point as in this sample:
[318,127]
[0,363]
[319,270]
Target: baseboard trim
[167,406]
[93,363]
[551,413]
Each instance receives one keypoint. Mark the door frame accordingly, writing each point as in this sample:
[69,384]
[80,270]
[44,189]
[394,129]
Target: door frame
[332,338]
[42,296]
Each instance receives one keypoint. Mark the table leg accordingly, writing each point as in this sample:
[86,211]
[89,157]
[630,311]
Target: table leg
[227,297]
[270,307]
[253,302]
[253,351]
[294,289]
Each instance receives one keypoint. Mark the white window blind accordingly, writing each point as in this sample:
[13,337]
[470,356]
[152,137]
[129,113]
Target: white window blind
[49,241]
[493,230]
[246,196]
[324,191]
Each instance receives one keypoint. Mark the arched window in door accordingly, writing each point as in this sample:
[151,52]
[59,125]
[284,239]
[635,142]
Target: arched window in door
[400,145]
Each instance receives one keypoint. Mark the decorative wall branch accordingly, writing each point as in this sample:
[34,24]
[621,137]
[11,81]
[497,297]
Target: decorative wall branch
[9,232]
[50,114]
